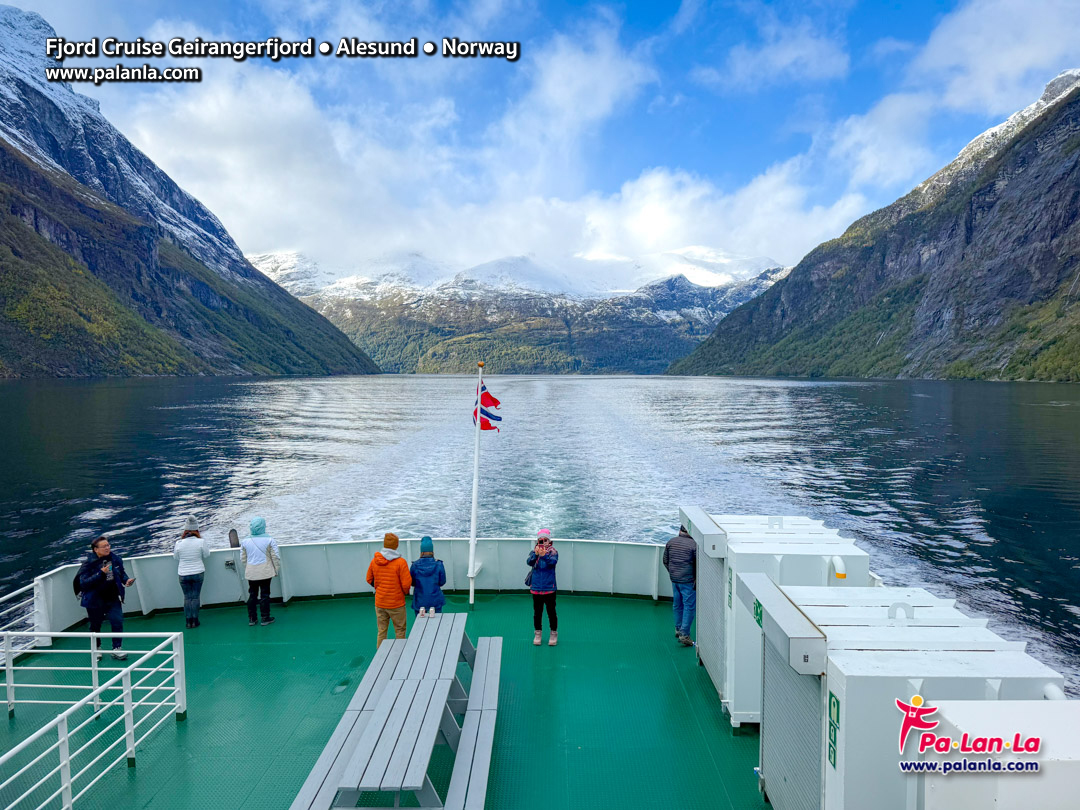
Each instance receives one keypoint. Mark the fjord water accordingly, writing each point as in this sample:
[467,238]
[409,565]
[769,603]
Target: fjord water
[969,489]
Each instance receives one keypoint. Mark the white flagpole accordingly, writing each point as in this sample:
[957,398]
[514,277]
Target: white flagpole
[475,488]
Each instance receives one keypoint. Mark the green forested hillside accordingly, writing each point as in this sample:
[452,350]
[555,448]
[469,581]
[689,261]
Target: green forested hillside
[975,274]
[87,289]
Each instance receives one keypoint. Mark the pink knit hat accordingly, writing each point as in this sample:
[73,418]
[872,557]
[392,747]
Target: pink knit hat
[544,533]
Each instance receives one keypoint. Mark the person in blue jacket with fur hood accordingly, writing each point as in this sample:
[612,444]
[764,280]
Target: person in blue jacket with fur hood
[428,577]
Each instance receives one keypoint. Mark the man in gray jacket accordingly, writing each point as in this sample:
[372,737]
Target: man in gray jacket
[680,560]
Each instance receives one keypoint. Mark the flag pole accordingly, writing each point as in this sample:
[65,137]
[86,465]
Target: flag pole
[475,488]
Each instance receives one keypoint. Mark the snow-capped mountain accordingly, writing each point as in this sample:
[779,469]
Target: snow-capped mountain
[982,149]
[971,274]
[140,277]
[412,313]
[61,129]
[575,277]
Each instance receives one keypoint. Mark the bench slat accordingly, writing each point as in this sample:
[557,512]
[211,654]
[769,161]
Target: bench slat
[485,741]
[438,651]
[325,762]
[423,649]
[491,683]
[459,779]
[358,762]
[331,785]
[404,663]
[479,675]
[421,755]
[380,756]
[378,672]
[453,645]
[459,631]
[398,762]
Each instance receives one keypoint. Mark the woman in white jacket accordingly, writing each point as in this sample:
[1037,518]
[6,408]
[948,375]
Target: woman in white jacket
[190,552]
[261,561]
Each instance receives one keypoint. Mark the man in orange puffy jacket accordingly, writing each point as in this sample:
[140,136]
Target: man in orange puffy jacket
[389,575]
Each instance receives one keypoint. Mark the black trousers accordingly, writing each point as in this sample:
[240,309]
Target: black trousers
[111,611]
[258,593]
[539,601]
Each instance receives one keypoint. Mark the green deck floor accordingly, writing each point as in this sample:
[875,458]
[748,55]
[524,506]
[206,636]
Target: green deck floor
[618,715]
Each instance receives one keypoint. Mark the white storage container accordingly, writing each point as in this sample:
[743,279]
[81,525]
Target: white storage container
[830,723]
[1056,785]
[738,679]
[791,550]
[862,688]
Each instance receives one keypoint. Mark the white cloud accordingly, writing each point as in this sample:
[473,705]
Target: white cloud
[347,170]
[994,56]
[886,147]
[576,84]
[990,57]
[686,15]
[661,103]
[795,52]
[888,48]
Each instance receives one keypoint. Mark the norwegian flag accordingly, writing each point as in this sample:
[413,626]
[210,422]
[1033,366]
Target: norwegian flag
[487,401]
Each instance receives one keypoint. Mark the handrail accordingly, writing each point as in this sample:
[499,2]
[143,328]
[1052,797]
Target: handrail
[15,593]
[170,692]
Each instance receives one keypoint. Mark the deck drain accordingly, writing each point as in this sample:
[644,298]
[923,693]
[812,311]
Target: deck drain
[337,690]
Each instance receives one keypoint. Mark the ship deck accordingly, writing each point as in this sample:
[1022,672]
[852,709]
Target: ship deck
[617,715]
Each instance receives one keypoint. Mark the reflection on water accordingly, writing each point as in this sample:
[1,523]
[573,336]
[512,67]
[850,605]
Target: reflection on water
[970,488]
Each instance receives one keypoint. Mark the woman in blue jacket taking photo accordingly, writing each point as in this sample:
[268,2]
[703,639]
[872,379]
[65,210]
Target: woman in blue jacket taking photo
[428,577]
[541,581]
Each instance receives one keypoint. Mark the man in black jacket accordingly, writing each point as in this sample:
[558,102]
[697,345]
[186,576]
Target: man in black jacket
[102,580]
[680,560]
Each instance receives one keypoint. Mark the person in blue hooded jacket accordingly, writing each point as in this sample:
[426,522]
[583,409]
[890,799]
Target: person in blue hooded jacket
[102,583]
[428,577]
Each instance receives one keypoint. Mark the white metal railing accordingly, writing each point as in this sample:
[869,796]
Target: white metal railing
[18,611]
[142,695]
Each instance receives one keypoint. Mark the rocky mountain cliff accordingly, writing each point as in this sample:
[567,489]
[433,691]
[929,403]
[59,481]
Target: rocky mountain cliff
[108,267]
[419,315]
[975,273]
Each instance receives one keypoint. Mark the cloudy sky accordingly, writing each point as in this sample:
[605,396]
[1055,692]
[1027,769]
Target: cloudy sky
[623,130]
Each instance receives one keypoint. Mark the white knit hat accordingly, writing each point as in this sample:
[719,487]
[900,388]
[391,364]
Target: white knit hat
[192,525]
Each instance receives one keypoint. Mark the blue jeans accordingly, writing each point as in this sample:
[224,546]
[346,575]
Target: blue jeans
[191,585]
[114,612]
[685,604]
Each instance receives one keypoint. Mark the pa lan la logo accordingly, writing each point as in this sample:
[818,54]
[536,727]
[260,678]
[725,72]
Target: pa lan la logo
[917,716]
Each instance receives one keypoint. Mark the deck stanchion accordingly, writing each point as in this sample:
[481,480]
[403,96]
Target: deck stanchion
[129,718]
[9,675]
[180,678]
[94,674]
[65,763]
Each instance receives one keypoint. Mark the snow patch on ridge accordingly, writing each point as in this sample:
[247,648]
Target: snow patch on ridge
[984,147]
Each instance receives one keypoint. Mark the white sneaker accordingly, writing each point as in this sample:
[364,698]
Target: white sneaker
[422,614]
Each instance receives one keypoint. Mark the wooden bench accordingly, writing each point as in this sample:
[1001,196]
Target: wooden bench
[321,786]
[472,763]
[404,703]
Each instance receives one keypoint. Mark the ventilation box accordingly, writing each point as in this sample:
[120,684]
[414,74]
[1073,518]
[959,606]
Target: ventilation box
[791,550]
[830,725]
[1056,785]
